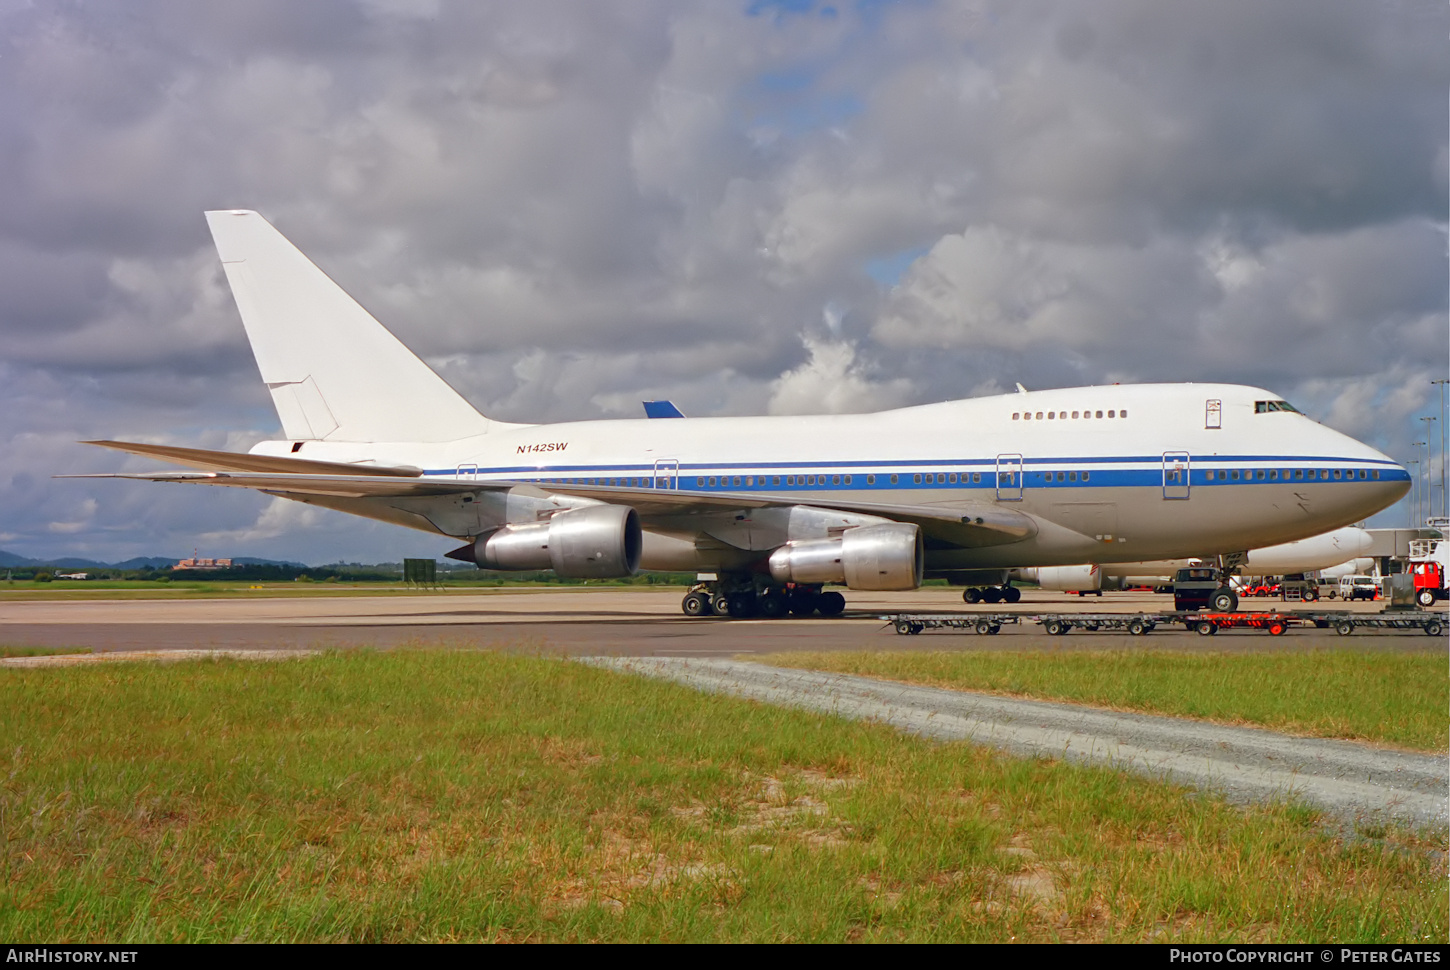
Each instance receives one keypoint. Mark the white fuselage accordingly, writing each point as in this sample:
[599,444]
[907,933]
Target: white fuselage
[1177,470]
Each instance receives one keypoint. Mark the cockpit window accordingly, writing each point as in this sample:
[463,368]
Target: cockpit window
[1264,407]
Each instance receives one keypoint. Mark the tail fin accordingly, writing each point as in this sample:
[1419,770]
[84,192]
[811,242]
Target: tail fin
[333,370]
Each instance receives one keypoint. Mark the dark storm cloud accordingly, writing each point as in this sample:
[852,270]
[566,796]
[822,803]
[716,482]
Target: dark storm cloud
[573,206]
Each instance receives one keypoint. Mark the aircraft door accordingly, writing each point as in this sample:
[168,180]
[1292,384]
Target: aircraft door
[667,473]
[1009,478]
[1176,470]
[1213,414]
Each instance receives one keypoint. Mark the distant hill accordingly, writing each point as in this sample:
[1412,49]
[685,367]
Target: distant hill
[11,560]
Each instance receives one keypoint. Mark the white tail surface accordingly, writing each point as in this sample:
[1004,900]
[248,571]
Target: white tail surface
[335,373]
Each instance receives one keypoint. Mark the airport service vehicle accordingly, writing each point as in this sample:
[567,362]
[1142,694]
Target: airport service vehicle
[772,507]
[1198,588]
[1429,563]
[1304,555]
[1359,587]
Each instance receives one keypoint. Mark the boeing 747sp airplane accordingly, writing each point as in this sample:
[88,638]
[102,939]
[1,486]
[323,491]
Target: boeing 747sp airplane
[775,507]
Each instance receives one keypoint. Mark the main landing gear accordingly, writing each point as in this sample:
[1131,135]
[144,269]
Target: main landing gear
[742,599]
[991,594]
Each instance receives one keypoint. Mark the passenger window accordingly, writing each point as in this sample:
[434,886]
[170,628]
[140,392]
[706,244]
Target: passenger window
[916,479]
[1100,414]
[1016,415]
[699,483]
[952,479]
[1062,476]
[1234,474]
[848,479]
[1051,415]
[1337,473]
[1074,414]
[835,479]
[1298,473]
[1273,474]
[976,477]
[1324,474]
[737,481]
[1376,473]
[1260,475]
[1084,476]
[1039,415]
[1072,476]
[712,481]
[1208,475]
[1027,416]
[1122,414]
[1362,474]
[1112,414]
[870,479]
[893,479]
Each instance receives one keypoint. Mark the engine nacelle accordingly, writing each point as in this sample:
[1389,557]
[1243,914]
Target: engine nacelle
[883,557]
[595,542]
[1070,579]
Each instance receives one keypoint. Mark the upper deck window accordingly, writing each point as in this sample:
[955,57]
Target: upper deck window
[1264,407]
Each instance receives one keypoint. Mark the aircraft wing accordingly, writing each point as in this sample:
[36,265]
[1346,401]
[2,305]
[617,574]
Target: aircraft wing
[964,526]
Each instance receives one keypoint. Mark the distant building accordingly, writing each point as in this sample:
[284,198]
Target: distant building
[72,575]
[195,563]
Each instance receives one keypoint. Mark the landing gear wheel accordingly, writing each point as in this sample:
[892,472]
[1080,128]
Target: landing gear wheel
[802,603]
[831,604]
[1137,627]
[992,594]
[1224,600]
[971,595]
[1206,629]
[720,603]
[1344,628]
[1435,628]
[696,604]
[774,605]
[741,605]
[1425,597]
[1012,594]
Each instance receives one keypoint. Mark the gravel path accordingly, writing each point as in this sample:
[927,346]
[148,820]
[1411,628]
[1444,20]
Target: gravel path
[1353,782]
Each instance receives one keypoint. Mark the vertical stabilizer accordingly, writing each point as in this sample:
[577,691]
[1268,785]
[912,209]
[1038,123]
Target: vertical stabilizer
[335,373]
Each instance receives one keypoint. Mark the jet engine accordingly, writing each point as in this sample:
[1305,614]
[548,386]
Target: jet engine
[595,542]
[887,556]
[1070,579]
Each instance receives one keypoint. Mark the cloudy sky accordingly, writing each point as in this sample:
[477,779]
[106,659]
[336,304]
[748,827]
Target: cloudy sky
[746,207]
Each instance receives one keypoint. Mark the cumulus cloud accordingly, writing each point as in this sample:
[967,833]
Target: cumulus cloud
[568,207]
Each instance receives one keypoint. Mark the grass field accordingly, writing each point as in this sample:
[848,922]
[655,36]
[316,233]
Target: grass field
[1398,699]
[9,651]
[446,795]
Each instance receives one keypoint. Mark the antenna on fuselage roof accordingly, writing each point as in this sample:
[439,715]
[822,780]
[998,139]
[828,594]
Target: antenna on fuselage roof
[1021,389]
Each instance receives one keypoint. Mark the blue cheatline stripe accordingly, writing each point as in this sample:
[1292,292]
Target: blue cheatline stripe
[883,467]
[1152,477]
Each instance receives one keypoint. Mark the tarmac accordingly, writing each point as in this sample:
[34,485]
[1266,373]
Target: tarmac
[606,621]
